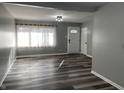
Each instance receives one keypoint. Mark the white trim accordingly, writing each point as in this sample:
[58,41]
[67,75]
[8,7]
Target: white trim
[37,55]
[89,56]
[1,82]
[68,39]
[107,80]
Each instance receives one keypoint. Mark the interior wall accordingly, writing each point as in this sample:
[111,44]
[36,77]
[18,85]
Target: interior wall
[61,34]
[108,42]
[89,25]
[7,41]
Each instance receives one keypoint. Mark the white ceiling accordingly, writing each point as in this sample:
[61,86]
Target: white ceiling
[77,6]
[28,12]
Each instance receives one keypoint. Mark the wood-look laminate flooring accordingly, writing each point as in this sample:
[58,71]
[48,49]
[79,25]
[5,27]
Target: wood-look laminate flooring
[40,73]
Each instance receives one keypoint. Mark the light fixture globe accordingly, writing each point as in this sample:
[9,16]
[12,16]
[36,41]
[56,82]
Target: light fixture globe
[59,18]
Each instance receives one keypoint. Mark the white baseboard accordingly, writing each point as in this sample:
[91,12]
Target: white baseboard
[41,55]
[89,55]
[1,82]
[108,80]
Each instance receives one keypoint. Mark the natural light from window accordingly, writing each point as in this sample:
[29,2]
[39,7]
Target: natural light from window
[36,36]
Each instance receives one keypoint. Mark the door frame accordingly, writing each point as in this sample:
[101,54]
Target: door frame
[68,38]
[84,31]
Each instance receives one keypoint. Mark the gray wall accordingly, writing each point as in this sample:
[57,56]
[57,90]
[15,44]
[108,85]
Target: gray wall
[7,41]
[108,42]
[89,25]
[61,33]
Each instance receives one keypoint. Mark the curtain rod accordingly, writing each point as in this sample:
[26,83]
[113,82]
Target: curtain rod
[36,24]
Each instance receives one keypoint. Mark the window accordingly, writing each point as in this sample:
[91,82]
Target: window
[36,36]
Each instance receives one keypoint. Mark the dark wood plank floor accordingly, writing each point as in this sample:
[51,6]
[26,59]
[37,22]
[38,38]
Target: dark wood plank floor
[40,73]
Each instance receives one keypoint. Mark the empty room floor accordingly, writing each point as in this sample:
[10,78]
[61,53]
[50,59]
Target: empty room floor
[40,73]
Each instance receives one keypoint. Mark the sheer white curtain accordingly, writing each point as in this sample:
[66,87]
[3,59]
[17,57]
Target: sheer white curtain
[36,36]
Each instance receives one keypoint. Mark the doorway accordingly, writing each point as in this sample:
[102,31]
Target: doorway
[84,40]
[73,40]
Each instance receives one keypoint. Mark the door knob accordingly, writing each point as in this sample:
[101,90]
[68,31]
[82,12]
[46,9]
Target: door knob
[69,41]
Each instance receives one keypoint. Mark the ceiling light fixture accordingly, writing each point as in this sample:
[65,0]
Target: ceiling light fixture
[59,18]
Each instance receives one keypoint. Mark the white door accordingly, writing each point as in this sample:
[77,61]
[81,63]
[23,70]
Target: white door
[73,39]
[84,40]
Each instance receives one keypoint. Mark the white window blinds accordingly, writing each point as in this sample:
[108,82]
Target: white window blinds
[36,36]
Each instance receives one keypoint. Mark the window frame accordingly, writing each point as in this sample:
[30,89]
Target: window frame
[30,46]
